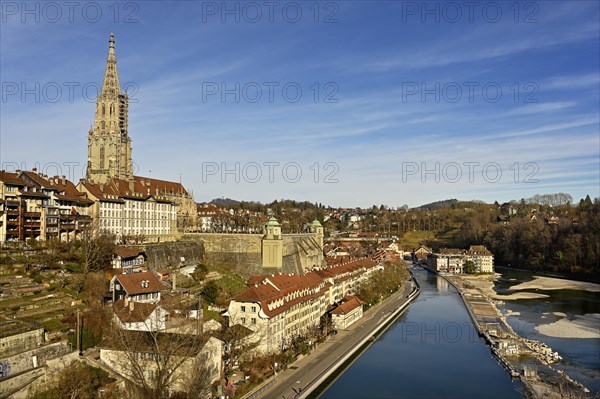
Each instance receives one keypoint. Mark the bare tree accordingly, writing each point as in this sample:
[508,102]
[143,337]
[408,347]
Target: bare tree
[95,252]
[158,365]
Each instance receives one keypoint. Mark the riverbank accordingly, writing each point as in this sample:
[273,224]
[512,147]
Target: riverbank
[585,326]
[526,359]
[311,372]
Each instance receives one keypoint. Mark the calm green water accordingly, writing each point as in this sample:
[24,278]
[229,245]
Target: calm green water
[432,351]
[581,357]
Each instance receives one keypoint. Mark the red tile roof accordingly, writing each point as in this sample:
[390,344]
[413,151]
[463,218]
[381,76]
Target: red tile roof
[451,251]
[267,290]
[102,192]
[128,251]
[11,178]
[339,271]
[282,287]
[161,186]
[140,312]
[40,181]
[132,283]
[350,302]
[68,192]
[140,188]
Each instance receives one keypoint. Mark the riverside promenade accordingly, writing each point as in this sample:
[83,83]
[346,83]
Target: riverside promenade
[307,374]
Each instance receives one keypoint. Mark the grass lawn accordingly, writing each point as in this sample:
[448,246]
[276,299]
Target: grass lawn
[412,239]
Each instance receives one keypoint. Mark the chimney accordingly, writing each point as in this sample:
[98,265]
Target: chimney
[64,180]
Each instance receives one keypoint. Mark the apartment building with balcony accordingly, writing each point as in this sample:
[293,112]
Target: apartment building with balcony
[23,209]
[66,209]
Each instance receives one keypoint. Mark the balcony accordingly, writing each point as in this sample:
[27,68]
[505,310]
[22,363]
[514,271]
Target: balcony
[12,232]
[67,217]
[32,214]
[11,212]
[32,224]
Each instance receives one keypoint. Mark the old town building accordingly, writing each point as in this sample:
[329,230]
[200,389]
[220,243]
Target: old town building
[280,307]
[110,169]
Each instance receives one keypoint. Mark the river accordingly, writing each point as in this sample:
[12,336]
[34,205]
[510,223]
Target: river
[431,351]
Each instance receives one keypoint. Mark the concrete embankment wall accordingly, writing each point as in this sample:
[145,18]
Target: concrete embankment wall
[17,343]
[242,253]
[169,255]
[33,358]
[381,327]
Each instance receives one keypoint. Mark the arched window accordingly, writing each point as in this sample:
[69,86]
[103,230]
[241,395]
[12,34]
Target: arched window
[103,109]
[101,157]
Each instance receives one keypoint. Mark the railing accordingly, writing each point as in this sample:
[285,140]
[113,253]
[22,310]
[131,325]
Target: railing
[32,214]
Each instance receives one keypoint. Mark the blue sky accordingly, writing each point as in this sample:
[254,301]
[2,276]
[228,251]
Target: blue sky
[417,102]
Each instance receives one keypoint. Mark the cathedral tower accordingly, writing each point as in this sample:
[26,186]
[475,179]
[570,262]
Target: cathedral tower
[109,145]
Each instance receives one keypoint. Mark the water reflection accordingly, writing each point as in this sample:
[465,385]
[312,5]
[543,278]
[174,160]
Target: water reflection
[432,351]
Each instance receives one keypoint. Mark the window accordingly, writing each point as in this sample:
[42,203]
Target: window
[102,157]
[253,309]
[243,320]
[243,308]
[253,320]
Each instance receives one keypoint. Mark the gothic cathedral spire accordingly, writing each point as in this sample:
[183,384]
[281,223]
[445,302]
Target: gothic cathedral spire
[109,145]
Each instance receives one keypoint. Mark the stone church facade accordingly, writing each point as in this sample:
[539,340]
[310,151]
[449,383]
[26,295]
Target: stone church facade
[109,174]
